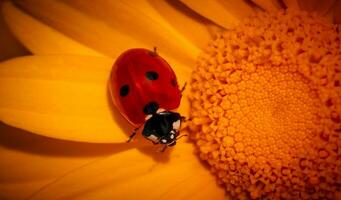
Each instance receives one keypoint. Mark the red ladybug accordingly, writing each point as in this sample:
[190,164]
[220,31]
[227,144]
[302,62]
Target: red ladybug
[144,89]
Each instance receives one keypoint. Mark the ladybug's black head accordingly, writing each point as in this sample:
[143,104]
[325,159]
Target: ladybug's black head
[151,108]
[169,139]
[161,126]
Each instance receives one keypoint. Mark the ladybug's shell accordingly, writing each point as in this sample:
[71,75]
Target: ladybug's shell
[130,70]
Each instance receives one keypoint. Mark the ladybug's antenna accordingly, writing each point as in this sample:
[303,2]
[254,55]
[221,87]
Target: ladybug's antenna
[155,50]
[180,137]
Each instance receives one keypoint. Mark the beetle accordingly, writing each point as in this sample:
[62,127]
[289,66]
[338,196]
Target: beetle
[145,90]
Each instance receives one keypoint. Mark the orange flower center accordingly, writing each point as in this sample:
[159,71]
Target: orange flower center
[266,106]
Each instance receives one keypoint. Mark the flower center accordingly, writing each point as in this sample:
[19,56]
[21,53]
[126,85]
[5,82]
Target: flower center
[265,107]
[273,116]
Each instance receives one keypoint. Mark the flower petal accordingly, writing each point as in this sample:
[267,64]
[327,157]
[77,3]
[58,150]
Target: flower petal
[113,38]
[329,16]
[149,20]
[64,97]
[224,13]
[292,4]
[320,6]
[131,174]
[29,162]
[269,5]
[10,47]
[185,21]
[337,12]
[38,37]
[80,27]
[53,42]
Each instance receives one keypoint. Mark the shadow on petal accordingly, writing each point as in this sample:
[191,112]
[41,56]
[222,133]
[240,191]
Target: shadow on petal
[132,175]
[24,141]
[20,140]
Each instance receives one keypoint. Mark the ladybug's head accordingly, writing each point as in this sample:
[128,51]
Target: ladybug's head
[169,139]
[161,126]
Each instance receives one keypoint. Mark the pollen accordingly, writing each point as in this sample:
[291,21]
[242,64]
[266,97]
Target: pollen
[266,107]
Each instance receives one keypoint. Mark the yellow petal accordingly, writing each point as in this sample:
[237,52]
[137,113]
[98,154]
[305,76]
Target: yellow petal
[38,37]
[185,21]
[53,42]
[137,30]
[319,6]
[29,162]
[292,4]
[224,13]
[10,190]
[64,97]
[80,27]
[132,175]
[329,16]
[10,47]
[269,5]
[337,12]
[149,20]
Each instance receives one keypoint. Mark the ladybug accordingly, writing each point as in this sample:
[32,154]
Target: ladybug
[144,89]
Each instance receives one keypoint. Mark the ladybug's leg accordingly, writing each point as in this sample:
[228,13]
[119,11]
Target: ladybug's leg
[164,148]
[153,53]
[133,134]
[183,88]
[185,119]
[177,138]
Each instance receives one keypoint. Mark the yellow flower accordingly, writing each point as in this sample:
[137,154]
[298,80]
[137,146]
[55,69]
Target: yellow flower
[60,93]
[271,93]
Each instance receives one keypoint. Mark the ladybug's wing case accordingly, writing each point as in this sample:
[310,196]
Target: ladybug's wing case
[139,77]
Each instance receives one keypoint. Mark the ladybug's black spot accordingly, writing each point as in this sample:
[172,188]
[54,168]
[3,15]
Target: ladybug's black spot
[150,108]
[173,82]
[152,75]
[124,90]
